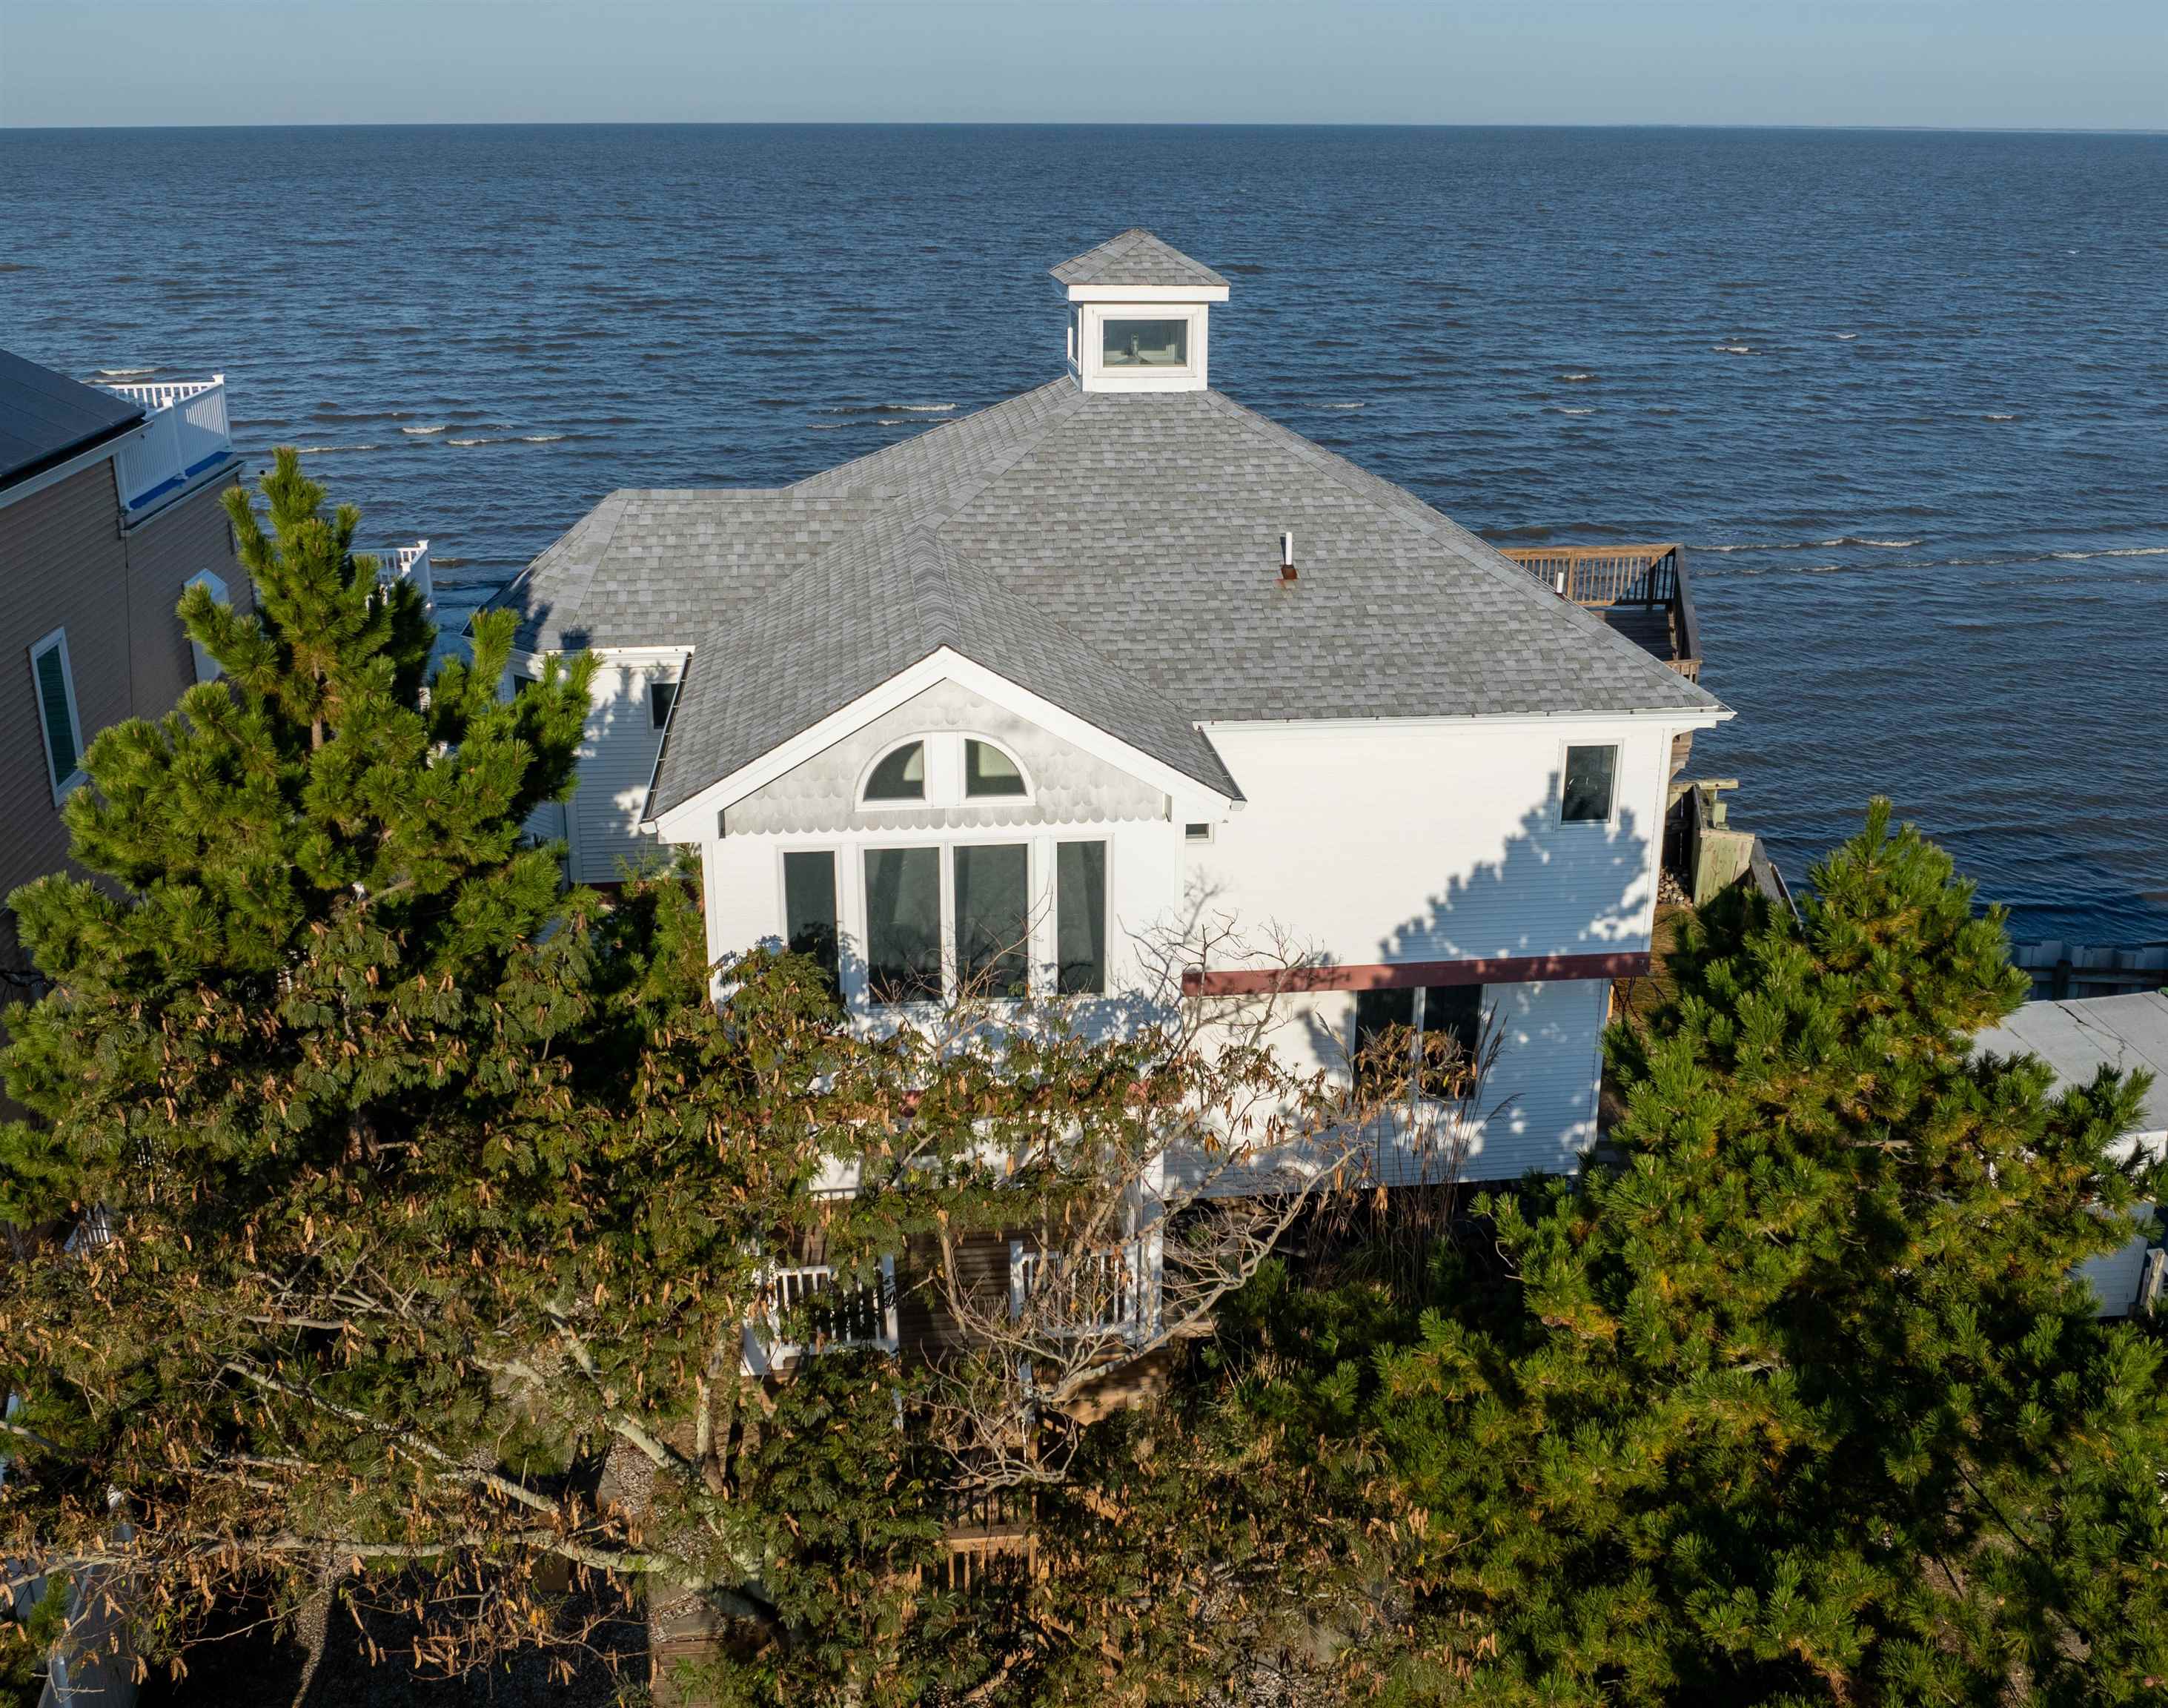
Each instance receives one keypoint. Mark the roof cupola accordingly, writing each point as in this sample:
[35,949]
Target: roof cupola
[1138,313]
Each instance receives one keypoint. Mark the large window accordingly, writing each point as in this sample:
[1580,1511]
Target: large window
[809,908]
[900,776]
[1080,924]
[207,668]
[55,683]
[1591,776]
[903,924]
[1144,343]
[1430,1035]
[993,920]
[661,697]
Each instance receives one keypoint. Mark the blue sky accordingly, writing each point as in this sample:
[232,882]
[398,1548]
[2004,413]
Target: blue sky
[2083,64]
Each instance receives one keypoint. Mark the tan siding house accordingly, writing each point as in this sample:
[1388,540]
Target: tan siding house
[106,512]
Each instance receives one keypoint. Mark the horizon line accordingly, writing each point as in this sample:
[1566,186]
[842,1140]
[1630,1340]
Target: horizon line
[1894,128]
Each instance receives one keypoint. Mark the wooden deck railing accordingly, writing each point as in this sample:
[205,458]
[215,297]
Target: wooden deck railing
[1649,580]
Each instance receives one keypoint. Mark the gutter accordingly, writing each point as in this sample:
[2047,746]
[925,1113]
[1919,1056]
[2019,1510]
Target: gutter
[72,461]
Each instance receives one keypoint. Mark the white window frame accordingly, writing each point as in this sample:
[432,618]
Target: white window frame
[208,668]
[62,786]
[1091,338]
[1038,883]
[659,725]
[1610,821]
[946,782]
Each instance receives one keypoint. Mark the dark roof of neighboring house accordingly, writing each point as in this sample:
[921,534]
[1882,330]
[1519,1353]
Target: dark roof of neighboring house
[46,417]
[2079,1037]
[1135,257]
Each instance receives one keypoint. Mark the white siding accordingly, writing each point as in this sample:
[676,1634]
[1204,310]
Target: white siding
[617,763]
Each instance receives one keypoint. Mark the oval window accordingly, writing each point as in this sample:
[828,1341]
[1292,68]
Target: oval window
[900,776]
[987,770]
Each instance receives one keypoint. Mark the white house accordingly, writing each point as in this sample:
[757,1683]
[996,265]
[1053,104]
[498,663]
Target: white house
[1015,698]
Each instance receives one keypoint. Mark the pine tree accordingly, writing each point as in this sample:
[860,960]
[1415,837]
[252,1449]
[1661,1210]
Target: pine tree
[1799,1401]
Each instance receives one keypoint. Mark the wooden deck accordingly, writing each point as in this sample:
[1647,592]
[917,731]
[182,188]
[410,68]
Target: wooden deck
[1642,591]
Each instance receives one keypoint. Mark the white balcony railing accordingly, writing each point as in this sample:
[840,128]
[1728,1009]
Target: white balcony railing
[1080,1293]
[185,431]
[408,563]
[807,1297]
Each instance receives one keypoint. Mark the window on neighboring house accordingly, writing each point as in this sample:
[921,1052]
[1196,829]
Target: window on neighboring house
[1591,773]
[902,776]
[1079,919]
[809,908]
[1145,344]
[661,697]
[903,924]
[1197,833]
[207,668]
[989,771]
[993,920]
[55,683]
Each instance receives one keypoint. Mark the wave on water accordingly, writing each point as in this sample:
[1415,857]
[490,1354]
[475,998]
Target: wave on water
[2002,418]
[124,373]
[1343,405]
[1811,544]
[1844,338]
[540,438]
[1576,379]
[470,441]
[329,449]
[1732,349]
[887,408]
[2110,551]
[425,431]
[1564,411]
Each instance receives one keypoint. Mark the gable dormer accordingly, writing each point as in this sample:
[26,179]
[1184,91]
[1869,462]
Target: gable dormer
[1138,312]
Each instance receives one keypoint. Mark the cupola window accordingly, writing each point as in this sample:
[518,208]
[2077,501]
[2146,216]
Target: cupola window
[900,776]
[989,772]
[1144,343]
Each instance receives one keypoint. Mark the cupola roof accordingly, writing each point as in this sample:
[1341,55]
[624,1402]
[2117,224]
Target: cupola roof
[1135,257]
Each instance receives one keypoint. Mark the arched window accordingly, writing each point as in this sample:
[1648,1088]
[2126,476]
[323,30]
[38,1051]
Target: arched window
[988,772]
[899,776]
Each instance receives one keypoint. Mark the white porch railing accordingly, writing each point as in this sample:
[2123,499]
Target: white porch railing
[185,430]
[835,1317]
[1093,1293]
[408,563]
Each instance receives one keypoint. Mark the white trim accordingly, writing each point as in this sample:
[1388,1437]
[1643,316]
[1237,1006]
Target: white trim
[1682,717]
[693,820]
[62,786]
[900,803]
[1147,293]
[1093,375]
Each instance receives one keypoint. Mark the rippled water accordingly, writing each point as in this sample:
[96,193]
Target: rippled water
[1905,397]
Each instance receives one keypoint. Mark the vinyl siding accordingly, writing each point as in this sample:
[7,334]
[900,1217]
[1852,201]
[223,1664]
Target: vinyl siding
[163,553]
[617,763]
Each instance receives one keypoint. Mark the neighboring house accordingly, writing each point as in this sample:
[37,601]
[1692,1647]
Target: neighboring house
[2077,1039]
[110,507]
[1028,697]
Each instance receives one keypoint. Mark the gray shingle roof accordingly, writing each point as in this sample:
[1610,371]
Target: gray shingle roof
[1117,554]
[1134,257]
[45,417]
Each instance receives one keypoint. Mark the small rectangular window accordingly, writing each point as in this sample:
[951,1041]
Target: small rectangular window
[1079,919]
[993,920]
[1144,343]
[55,683]
[809,909]
[903,924]
[661,697]
[1452,1034]
[1197,833]
[1590,774]
[1384,1039]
